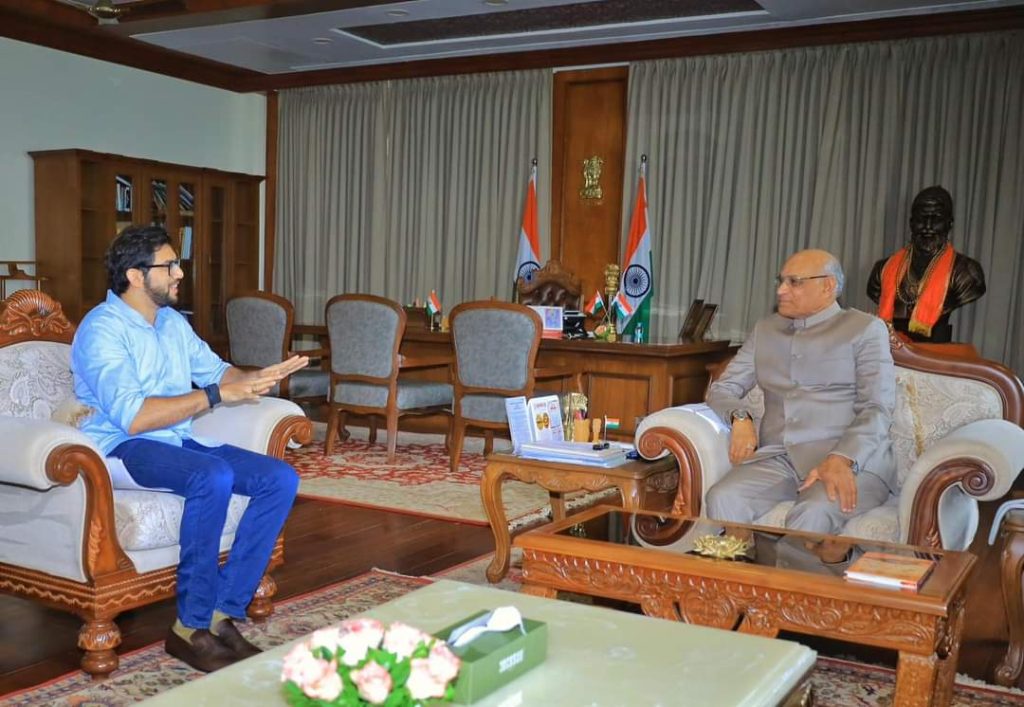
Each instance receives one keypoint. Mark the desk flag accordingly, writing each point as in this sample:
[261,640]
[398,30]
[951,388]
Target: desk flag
[595,304]
[433,304]
[528,257]
[621,305]
[637,277]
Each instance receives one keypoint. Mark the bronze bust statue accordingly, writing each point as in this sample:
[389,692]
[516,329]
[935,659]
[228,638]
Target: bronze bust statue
[917,287]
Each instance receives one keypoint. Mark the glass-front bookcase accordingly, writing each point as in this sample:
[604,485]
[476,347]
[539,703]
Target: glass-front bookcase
[83,199]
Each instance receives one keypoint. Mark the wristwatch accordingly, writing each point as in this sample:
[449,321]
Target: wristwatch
[739,415]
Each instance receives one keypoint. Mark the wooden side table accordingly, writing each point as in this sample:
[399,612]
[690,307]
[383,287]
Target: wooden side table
[632,479]
[1011,529]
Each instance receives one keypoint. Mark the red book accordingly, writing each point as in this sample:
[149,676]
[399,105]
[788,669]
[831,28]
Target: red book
[888,570]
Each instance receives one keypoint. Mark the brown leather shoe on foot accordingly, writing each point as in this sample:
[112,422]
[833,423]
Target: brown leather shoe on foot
[203,651]
[231,637]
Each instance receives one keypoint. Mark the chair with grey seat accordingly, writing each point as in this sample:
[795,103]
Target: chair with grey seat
[260,335]
[496,347]
[365,333]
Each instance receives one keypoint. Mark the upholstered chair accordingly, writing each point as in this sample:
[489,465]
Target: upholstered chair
[956,436]
[260,335]
[365,333]
[496,347]
[76,533]
[551,286]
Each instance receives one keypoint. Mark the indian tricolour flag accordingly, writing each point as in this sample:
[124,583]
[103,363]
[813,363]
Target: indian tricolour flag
[638,270]
[433,304]
[595,304]
[528,257]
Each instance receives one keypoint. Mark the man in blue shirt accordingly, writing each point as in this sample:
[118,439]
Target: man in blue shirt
[135,360]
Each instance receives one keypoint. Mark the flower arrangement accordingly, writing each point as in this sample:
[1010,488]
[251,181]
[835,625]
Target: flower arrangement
[360,662]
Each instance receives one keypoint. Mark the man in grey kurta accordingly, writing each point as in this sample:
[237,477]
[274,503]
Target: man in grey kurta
[829,390]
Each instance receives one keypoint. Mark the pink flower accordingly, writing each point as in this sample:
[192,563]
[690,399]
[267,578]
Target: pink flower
[317,678]
[357,636]
[326,638]
[373,681]
[402,639]
[444,665]
[422,683]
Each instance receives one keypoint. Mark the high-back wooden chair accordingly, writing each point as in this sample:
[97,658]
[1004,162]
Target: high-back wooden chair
[552,286]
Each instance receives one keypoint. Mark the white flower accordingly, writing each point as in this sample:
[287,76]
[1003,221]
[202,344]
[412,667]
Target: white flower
[443,664]
[328,638]
[356,637]
[315,677]
[327,688]
[402,639]
[422,683]
[373,681]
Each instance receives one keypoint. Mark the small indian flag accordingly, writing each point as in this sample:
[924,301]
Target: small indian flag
[433,304]
[611,423]
[595,304]
[621,303]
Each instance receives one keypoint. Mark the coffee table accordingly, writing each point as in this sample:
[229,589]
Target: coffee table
[647,559]
[632,479]
[596,657]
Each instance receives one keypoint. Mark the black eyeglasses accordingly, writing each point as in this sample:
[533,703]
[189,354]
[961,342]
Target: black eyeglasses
[794,281]
[170,265]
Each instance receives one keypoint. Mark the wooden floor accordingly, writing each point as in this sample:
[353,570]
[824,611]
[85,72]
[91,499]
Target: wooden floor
[327,543]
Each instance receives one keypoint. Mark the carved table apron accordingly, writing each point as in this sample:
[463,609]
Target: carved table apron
[632,479]
[924,627]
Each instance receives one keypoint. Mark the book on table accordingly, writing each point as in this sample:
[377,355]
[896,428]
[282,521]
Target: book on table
[574,453]
[885,569]
[534,420]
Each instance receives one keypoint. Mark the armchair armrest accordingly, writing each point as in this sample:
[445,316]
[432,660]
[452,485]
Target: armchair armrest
[976,462]
[700,444]
[266,425]
[25,463]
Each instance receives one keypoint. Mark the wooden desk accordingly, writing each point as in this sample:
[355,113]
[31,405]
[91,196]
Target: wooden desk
[631,479]
[785,587]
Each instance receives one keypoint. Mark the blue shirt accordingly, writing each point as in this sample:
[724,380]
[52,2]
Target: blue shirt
[119,359]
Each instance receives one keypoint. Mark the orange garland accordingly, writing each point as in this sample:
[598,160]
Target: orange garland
[931,292]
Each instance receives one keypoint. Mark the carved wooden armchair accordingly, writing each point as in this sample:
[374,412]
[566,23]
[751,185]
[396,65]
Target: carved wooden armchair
[551,286]
[956,437]
[72,536]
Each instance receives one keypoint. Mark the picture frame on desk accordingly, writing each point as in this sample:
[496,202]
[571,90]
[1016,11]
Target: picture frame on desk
[707,315]
[691,321]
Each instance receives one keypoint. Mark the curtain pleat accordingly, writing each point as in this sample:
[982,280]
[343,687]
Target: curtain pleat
[400,187]
[755,156]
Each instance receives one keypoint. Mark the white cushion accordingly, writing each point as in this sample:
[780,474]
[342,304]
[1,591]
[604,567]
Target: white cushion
[150,519]
[35,378]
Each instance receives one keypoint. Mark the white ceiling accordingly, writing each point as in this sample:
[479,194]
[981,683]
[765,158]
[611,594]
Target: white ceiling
[319,41]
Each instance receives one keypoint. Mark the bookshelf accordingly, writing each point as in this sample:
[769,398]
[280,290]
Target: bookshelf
[83,199]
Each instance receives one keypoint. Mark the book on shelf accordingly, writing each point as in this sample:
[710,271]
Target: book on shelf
[185,236]
[888,570]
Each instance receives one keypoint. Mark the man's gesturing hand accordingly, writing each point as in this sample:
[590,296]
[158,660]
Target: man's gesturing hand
[285,368]
[743,442]
[839,480]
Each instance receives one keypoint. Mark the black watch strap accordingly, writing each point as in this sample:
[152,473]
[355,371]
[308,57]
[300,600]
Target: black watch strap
[212,394]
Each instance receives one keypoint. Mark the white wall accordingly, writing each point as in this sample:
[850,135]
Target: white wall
[51,99]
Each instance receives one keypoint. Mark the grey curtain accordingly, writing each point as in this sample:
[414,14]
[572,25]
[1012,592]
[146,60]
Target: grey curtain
[400,187]
[755,156]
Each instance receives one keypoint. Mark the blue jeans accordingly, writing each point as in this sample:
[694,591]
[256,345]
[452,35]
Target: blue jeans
[206,477]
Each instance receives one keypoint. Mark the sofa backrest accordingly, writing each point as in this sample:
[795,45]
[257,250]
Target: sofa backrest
[35,378]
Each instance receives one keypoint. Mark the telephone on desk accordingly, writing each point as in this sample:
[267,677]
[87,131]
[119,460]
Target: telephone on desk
[572,325]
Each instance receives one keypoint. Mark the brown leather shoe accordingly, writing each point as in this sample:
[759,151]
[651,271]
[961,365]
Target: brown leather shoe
[203,651]
[231,637]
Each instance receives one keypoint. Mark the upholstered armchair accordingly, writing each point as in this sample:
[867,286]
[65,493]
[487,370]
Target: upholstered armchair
[260,335]
[551,285]
[956,436]
[75,532]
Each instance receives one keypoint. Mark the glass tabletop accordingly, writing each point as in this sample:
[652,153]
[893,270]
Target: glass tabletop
[772,547]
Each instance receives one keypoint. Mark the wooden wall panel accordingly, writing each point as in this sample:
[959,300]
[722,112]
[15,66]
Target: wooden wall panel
[589,119]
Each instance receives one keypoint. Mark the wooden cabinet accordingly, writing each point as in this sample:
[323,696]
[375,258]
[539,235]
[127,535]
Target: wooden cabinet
[83,199]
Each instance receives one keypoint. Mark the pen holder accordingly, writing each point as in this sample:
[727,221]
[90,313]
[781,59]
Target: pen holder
[581,430]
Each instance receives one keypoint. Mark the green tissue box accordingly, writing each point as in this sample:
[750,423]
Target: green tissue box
[493,659]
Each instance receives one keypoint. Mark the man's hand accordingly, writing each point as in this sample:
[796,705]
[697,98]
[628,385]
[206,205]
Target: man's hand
[239,385]
[283,369]
[839,480]
[743,442]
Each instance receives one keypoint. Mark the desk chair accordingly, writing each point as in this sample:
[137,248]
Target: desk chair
[260,335]
[551,286]
[495,355]
[365,332]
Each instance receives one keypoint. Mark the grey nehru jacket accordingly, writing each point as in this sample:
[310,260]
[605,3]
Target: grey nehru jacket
[829,388]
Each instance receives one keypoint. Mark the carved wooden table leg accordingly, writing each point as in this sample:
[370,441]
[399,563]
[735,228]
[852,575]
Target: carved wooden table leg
[949,653]
[490,495]
[98,638]
[557,501]
[1012,562]
[262,605]
[915,680]
[538,590]
[633,494]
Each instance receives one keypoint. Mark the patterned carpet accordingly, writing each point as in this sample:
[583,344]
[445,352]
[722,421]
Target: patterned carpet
[419,481]
[149,671]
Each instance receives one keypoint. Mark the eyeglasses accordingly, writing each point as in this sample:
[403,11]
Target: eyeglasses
[794,281]
[170,265]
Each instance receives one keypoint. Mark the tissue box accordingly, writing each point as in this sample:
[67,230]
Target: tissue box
[496,659]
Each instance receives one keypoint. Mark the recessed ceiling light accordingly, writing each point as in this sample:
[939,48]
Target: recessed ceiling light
[322,40]
[397,13]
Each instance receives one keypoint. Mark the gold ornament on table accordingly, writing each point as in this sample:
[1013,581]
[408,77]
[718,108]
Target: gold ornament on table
[724,547]
[611,288]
